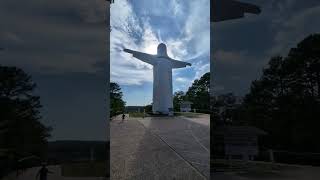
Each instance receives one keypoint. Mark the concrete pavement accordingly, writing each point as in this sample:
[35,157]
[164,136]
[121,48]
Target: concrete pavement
[159,148]
[30,174]
[186,136]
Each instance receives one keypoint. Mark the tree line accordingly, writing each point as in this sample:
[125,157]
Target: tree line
[197,93]
[21,131]
[117,104]
[284,101]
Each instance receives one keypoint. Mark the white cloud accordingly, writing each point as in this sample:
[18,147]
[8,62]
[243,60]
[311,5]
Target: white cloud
[201,69]
[10,37]
[125,69]
[229,57]
[294,29]
[177,7]
[58,36]
[193,42]
[181,79]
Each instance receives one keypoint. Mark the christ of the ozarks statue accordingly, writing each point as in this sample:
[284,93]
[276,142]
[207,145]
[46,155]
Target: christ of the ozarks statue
[162,77]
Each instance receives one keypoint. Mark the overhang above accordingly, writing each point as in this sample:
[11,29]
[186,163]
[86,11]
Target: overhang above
[222,10]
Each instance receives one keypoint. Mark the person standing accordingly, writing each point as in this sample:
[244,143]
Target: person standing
[43,173]
[123,117]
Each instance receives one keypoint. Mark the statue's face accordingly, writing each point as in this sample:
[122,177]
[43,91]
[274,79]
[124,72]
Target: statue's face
[162,50]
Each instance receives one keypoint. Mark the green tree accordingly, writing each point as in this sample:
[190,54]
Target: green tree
[20,114]
[148,108]
[285,100]
[199,95]
[178,97]
[117,104]
[226,109]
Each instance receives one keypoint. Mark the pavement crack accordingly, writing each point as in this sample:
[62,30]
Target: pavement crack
[176,152]
[198,141]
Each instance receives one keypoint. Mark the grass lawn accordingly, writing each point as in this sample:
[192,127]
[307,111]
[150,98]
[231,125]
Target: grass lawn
[84,169]
[188,114]
[137,114]
[253,169]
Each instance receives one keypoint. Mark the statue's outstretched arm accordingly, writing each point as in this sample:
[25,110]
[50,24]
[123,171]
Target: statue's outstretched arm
[147,58]
[179,64]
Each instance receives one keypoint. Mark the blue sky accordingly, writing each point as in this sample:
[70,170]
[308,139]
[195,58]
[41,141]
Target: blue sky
[61,43]
[141,25]
[242,48]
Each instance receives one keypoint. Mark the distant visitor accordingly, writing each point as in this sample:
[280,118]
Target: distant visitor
[43,172]
[123,116]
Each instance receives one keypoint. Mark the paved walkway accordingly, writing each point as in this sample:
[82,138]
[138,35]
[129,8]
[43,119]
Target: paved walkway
[271,171]
[159,148]
[302,173]
[30,174]
[188,137]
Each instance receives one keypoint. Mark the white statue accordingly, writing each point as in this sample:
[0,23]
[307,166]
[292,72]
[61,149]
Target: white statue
[162,77]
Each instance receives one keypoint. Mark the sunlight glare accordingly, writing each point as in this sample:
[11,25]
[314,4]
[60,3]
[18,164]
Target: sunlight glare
[151,48]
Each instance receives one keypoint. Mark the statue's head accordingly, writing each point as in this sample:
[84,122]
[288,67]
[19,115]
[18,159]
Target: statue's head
[162,50]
